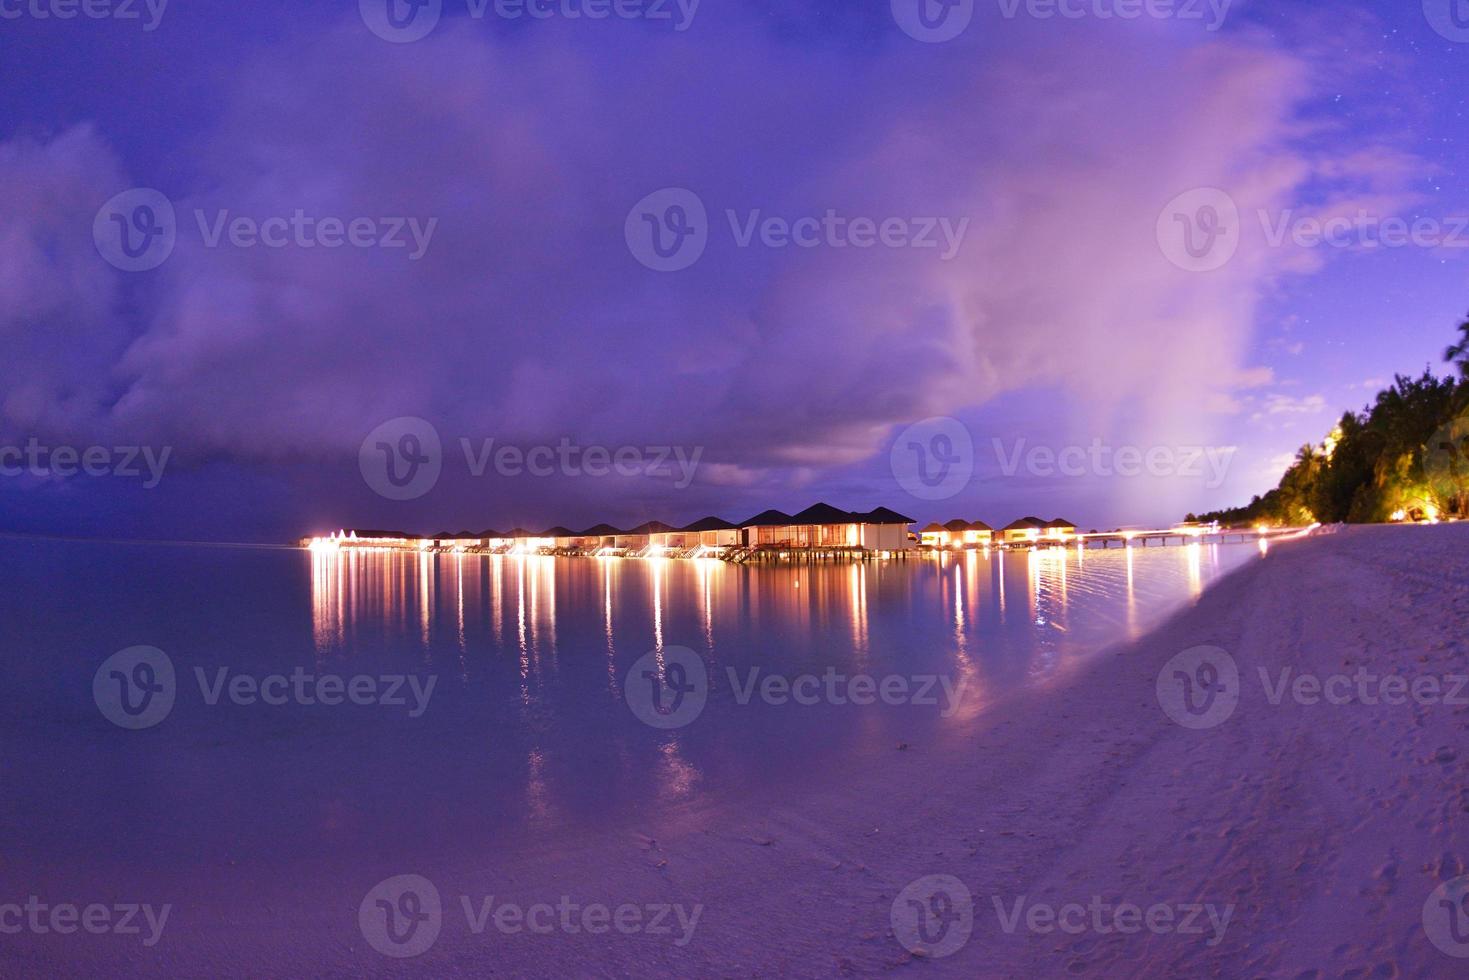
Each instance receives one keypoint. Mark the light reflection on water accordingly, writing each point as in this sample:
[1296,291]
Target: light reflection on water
[995,621]
[527,726]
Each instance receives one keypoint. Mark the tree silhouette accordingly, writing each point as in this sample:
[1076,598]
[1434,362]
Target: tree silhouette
[1459,353]
[1406,454]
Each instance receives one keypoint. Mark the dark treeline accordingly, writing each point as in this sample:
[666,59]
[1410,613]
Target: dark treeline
[1401,458]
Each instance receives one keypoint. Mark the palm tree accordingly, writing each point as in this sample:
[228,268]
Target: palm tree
[1459,353]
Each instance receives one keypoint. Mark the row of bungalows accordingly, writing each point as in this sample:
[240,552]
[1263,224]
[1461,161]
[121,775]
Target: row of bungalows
[653,538]
[604,539]
[819,527]
[957,534]
[1027,531]
[822,526]
[1034,531]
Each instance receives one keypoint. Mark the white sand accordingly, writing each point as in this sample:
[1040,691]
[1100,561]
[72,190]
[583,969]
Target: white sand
[1326,827]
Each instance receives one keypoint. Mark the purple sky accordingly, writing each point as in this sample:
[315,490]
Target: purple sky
[1061,318]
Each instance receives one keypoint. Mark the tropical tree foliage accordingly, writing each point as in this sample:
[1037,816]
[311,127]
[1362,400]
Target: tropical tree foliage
[1406,456]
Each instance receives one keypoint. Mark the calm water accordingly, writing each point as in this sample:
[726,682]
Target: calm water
[527,729]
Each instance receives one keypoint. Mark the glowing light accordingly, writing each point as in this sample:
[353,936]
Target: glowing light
[1328,447]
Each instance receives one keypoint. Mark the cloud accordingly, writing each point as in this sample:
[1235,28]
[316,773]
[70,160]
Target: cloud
[1287,405]
[528,319]
[58,301]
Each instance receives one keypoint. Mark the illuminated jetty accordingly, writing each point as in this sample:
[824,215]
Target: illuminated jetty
[818,533]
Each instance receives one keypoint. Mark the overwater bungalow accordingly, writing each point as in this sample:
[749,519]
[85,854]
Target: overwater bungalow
[957,534]
[1033,530]
[497,541]
[712,533]
[639,539]
[561,538]
[1027,530]
[882,529]
[825,526]
[971,534]
[1059,529]
[652,536]
[768,527]
[462,541]
[599,539]
[530,542]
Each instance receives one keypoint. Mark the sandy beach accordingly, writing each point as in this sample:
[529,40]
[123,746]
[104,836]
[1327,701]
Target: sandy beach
[1290,839]
[1326,826]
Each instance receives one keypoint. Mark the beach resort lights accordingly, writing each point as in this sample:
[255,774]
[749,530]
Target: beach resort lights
[820,529]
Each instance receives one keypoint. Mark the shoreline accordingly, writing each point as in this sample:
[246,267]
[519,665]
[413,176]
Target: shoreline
[1092,790]
[1325,827]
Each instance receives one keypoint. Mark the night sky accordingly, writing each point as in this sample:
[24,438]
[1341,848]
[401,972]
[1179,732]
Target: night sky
[531,152]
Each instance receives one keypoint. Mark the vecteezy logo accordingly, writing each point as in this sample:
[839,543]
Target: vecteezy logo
[1199,230]
[933,21]
[1446,917]
[401,21]
[667,689]
[401,916]
[402,458]
[135,688]
[1449,17]
[1199,688]
[668,230]
[136,230]
[933,459]
[933,916]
